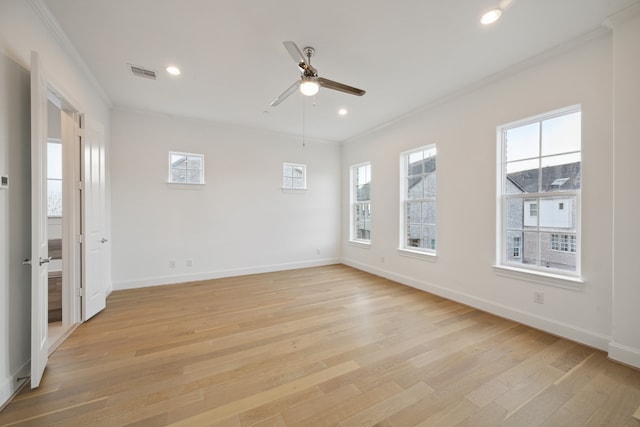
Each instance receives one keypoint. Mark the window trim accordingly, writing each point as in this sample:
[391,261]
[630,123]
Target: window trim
[403,249]
[563,278]
[352,204]
[176,184]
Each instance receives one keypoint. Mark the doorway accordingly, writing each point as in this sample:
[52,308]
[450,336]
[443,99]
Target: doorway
[62,146]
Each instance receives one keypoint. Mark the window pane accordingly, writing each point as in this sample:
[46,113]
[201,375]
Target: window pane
[416,188]
[561,134]
[177,160]
[430,163]
[415,163]
[194,163]
[178,175]
[429,213]
[523,142]
[413,236]
[522,177]
[530,248]
[414,213]
[558,212]
[513,246]
[430,185]
[287,170]
[561,173]
[297,183]
[54,197]
[556,251]
[194,176]
[362,192]
[428,237]
[514,213]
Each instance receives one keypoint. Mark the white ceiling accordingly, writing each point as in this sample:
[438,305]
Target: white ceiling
[404,53]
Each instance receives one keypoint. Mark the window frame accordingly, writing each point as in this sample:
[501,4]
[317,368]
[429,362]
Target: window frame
[430,250]
[170,179]
[354,203]
[557,276]
[284,176]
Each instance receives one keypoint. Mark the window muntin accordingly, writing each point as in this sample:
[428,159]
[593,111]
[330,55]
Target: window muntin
[186,168]
[541,184]
[294,176]
[419,200]
[361,202]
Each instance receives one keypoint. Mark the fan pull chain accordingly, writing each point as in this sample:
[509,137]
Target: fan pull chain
[304,143]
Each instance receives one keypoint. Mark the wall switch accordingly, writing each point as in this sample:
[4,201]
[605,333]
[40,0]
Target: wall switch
[4,182]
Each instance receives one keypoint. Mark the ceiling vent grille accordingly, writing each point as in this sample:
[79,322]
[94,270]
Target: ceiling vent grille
[143,72]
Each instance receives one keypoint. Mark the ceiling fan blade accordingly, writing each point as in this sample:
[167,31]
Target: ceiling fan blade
[284,95]
[295,52]
[330,84]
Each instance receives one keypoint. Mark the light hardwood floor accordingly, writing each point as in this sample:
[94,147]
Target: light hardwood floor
[318,347]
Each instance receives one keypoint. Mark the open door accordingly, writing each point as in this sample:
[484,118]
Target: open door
[94,206]
[39,240]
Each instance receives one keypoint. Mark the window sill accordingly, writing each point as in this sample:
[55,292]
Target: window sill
[360,244]
[424,256]
[185,186]
[539,277]
[294,190]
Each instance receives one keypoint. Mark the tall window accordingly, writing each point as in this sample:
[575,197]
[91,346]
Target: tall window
[294,176]
[419,199]
[54,178]
[186,168]
[540,181]
[361,202]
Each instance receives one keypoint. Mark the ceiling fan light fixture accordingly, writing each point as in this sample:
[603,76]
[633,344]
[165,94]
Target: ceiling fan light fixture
[491,16]
[309,86]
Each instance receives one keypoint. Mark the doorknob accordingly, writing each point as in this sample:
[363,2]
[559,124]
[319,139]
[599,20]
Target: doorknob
[44,260]
[27,261]
[103,240]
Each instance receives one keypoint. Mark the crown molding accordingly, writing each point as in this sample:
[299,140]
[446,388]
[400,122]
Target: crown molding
[59,35]
[622,16]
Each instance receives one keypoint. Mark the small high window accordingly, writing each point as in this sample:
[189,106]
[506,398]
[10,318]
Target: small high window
[294,176]
[186,168]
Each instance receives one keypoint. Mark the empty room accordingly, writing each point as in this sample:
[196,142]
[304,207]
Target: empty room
[250,213]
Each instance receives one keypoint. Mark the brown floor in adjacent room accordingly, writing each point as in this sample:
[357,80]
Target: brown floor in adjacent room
[315,347]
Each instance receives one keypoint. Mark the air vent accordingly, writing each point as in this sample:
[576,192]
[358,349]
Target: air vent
[143,72]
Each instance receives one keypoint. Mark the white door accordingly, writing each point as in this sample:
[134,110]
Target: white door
[39,242]
[95,239]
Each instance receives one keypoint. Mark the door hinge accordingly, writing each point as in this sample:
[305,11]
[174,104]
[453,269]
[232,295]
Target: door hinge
[80,292]
[80,185]
[80,238]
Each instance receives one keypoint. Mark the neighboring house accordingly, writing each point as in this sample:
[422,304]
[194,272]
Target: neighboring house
[555,216]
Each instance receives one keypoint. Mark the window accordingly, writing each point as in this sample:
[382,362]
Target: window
[563,242]
[361,202]
[419,199]
[540,182]
[186,168]
[294,177]
[516,246]
[54,178]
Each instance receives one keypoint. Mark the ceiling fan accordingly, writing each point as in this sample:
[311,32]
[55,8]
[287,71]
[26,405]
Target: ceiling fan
[309,82]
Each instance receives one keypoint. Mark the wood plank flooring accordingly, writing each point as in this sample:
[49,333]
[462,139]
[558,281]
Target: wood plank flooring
[327,346]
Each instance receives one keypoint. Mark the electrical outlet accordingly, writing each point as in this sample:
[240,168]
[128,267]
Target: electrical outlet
[188,263]
[172,264]
[538,297]
[317,251]
[381,260]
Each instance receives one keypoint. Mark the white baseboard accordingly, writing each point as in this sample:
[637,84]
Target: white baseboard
[624,354]
[11,385]
[209,275]
[551,326]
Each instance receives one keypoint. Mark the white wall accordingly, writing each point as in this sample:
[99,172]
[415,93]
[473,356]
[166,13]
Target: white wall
[625,344]
[464,129]
[239,222]
[21,31]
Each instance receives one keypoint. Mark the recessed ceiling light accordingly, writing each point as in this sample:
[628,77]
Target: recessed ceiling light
[174,71]
[491,16]
[343,112]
